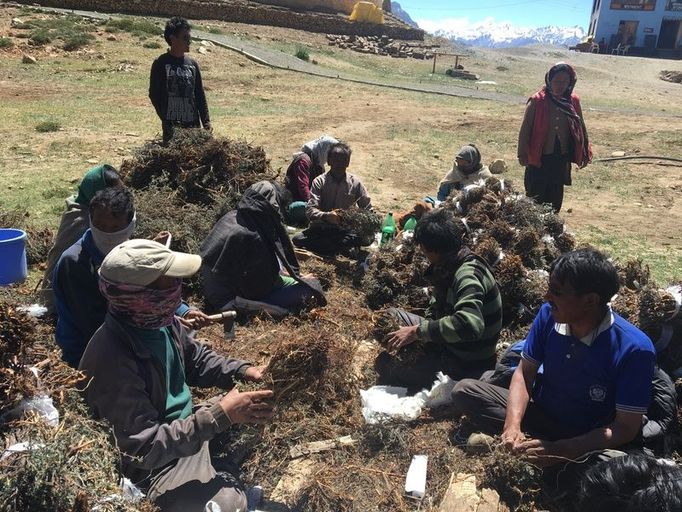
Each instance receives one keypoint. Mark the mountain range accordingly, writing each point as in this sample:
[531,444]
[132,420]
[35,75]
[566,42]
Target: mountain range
[490,33]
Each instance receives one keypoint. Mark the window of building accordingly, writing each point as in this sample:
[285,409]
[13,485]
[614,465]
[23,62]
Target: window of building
[634,5]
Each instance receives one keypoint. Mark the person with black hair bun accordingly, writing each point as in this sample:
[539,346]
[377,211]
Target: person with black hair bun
[631,483]
[175,85]
[595,386]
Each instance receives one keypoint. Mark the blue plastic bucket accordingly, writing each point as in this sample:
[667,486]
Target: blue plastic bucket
[12,256]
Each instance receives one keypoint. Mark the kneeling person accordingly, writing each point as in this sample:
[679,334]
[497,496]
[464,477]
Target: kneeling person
[248,256]
[459,334]
[141,363]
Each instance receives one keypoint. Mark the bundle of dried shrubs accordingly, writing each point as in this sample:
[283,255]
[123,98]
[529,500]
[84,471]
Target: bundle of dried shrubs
[366,224]
[17,331]
[199,166]
[626,304]
[518,482]
[656,306]
[634,273]
[312,367]
[71,467]
[396,277]
[487,248]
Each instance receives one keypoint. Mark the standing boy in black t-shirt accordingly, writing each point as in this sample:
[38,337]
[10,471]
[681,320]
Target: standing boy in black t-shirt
[175,85]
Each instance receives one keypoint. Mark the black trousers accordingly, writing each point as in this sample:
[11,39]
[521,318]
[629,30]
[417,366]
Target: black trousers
[327,240]
[415,366]
[545,184]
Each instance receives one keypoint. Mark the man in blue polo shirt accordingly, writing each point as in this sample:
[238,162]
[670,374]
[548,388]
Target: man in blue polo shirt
[597,372]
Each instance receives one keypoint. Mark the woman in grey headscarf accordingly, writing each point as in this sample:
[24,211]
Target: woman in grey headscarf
[467,170]
[307,165]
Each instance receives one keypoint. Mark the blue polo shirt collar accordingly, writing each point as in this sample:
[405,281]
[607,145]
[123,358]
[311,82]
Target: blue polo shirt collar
[588,339]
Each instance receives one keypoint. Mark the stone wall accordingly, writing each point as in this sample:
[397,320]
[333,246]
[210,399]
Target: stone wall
[242,12]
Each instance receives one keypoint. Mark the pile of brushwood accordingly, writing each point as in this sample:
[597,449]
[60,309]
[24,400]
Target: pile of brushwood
[199,166]
[517,237]
[67,467]
[184,187]
[520,239]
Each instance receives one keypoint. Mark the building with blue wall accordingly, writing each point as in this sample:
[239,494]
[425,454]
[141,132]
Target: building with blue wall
[650,27]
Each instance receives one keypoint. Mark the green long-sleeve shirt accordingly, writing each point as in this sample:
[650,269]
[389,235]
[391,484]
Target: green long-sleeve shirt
[466,315]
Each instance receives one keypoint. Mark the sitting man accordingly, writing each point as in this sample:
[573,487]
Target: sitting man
[141,364]
[459,334]
[467,170]
[306,165]
[75,220]
[335,190]
[246,252]
[78,301]
[597,372]
[659,421]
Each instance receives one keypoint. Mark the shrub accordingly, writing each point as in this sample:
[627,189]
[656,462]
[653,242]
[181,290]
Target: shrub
[152,44]
[6,42]
[48,126]
[134,26]
[40,36]
[76,41]
[302,54]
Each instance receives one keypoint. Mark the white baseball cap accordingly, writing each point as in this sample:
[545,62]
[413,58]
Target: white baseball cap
[141,262]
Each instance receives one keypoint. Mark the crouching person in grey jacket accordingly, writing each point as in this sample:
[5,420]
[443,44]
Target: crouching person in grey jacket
[141,363]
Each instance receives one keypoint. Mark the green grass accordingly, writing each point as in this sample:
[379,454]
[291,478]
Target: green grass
[6,42]
[152,45]
[48,126]
[665,263]
[74,32]
[303,54]
[136,26]
[40,37]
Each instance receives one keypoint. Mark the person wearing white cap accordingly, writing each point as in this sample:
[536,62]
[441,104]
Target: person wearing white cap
[140,365]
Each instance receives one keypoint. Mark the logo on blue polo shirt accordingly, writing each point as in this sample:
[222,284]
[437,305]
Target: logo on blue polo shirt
[597,393]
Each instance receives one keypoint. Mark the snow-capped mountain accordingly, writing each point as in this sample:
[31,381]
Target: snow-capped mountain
[493,34]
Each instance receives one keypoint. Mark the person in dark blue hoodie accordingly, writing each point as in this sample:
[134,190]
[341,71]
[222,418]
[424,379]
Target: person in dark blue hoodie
[80,306]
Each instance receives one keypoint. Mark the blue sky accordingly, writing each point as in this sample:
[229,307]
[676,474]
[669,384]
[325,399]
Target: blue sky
[526,13]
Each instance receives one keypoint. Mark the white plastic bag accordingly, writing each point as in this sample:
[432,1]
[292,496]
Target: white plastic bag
[381,403]
[41,405]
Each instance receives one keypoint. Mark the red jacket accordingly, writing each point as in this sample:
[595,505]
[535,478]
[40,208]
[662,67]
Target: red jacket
[541,127]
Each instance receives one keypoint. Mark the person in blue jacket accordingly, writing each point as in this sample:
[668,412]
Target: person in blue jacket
[80,306]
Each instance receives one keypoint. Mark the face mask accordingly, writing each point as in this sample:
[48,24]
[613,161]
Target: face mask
[105,242]
[141,306]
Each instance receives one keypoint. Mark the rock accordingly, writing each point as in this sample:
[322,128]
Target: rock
[29,59]
[112,37]
[479,443]
[617,154]
[16,23]
[207,44]
[499,166]
[202,50]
